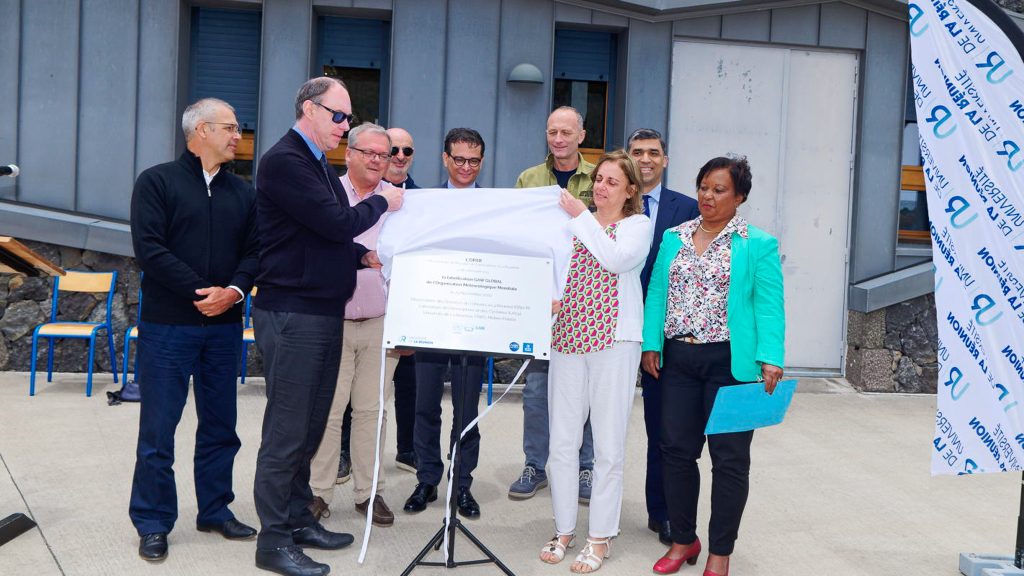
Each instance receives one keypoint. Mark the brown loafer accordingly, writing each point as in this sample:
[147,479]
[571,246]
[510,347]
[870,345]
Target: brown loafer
[382,515]
[319,508]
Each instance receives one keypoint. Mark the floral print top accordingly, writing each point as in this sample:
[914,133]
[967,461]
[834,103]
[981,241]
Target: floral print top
[698,285]
[590,304]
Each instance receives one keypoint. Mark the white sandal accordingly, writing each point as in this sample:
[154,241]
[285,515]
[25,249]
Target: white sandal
[589,558]
[557,549]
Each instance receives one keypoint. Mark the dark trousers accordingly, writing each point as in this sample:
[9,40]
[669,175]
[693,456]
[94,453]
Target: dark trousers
[405,402]
[654,486]
[167,356]
[430,371]
[301,357]
[690,379]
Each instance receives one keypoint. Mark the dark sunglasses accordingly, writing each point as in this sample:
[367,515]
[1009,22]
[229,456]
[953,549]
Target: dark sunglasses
[338,117]
[407,150]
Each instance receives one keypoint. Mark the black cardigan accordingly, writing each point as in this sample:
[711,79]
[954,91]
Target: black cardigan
[308,260]
[187,236]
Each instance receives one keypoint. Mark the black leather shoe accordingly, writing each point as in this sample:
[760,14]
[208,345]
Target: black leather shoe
[316,536]
[153,547]
[664,530]
[230,529]
[290,561]
[422,494]
[467,504]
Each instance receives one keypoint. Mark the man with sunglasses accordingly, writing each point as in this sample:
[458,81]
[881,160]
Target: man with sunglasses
[462,156]
[307,272]
[401,159]
[196,276]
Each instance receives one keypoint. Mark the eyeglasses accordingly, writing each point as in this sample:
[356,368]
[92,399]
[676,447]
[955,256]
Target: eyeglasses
[407,150]
[371,155]
[233,128]
[338,116]
[460,161]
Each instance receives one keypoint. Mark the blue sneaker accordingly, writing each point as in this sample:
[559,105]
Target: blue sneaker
[586,484]
[528,483]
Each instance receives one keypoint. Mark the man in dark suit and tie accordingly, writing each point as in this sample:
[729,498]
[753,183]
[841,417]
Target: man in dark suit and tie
[307,272]
[666,209]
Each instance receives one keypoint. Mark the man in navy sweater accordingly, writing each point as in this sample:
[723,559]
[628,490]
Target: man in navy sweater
[666,209]
[194,233]
[307,271]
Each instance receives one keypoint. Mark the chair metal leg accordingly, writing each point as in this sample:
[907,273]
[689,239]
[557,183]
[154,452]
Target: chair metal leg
[49,360]
[113,355]
[245,358]
[32,369]
[127,346]
[92,355]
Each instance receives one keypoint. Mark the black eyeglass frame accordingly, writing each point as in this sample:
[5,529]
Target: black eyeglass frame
[338,116]
[461,161]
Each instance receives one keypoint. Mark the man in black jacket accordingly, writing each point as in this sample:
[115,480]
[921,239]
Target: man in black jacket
[194,234]
[307,272]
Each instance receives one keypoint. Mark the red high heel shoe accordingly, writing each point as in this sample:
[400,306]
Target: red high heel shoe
[710,573]
[667,565]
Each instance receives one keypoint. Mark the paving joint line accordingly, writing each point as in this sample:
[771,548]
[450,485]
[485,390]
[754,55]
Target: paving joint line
[32,515]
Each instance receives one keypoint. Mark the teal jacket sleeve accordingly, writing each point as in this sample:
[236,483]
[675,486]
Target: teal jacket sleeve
[768,301]
[657,293]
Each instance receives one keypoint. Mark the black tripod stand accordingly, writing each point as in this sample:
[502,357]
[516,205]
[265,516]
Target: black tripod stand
[455,524]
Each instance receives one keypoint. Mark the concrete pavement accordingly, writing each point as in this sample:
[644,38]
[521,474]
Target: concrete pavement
[841,488]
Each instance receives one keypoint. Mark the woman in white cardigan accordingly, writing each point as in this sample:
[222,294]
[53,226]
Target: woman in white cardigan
[595,355]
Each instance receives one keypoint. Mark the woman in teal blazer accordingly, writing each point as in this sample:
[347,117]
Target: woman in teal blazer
[713,317]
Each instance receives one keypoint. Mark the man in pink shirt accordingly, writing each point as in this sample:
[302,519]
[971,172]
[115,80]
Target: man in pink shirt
[367,157]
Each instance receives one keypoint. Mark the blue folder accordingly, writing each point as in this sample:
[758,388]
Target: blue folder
[747,406]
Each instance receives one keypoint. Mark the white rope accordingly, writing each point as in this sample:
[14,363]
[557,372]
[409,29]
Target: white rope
[376,454]
[448,491]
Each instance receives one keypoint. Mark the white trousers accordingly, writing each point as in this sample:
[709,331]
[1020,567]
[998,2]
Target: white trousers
[601,384]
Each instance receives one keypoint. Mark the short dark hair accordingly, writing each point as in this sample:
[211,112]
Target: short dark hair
[313,89]
[465,135]
[739,171]
[647,134]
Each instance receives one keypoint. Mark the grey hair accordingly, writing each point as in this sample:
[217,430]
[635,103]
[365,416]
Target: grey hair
[579,117]
[313,89]
[647,134]
[200,111]
[367,127]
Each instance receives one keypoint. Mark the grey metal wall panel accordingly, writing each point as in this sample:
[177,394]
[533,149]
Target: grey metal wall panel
[285,57]
[613,20]
[876,198]
[648,70]
[373,4]
[567,14]
[158,120]
[798,25]
[708,27]
[842,26]
[471,75]
[107,107]
[417,81]
[10,53]
[754,26]
[49,103]
[527,35]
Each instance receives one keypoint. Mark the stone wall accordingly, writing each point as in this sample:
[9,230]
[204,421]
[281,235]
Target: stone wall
[894,349]
[26,302]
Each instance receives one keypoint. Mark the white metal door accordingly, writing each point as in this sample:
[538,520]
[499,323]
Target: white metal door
[792,113]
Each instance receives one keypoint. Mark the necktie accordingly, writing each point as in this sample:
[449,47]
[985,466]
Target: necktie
[327,171]
[647,205]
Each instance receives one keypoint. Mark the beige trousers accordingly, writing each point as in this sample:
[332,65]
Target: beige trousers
[358,382]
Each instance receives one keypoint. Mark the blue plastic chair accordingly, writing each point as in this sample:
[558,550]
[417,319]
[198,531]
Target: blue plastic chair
[91,282]
[248,333]
[132,333]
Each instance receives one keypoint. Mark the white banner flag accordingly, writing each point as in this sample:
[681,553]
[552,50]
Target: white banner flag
[968,83]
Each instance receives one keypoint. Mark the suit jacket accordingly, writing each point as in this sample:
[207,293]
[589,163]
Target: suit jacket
[308,260]
[446,181]
[756,314]
[673,209]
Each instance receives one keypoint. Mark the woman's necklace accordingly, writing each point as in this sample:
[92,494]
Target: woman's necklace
[701,226]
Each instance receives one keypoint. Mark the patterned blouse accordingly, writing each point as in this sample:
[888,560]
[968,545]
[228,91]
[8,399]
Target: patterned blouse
[698,286]
[590,304]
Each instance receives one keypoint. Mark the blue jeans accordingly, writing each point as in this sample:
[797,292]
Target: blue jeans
[535,421]
[168,356]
